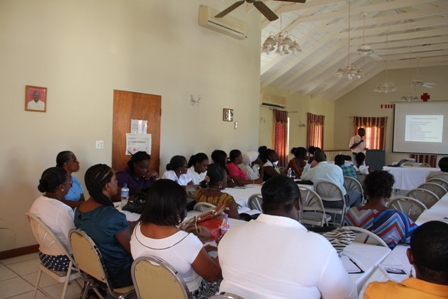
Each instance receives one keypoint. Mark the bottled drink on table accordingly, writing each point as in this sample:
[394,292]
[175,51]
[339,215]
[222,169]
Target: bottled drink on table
[124,195]
[225,226]
[289,173]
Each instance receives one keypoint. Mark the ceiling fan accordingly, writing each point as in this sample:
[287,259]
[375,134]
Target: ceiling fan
[365,49]
[263,8]
[418,82]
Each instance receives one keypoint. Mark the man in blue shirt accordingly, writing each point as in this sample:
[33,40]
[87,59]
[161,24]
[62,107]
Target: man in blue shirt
[347,170]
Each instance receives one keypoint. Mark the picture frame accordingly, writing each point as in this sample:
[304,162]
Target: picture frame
[35,98]
[227,114]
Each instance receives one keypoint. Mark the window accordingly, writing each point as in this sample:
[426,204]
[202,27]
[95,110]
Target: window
[281,136]
[315,130]
[375,130]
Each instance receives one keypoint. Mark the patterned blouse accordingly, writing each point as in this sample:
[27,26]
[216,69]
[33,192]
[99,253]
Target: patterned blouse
[224,198]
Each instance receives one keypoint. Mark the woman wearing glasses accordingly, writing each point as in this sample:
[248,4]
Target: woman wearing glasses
[177,170]
[49,207]
[68,161]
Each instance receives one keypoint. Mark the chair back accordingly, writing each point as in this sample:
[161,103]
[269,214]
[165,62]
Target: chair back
[191,190]
[408,164]
[364,236]
[351,184]
[437,189]
[254,202]
[426,197]
[49,243]
[439,180]
[203,207]
[329,191]
[88,256]
[313,208]
[155,278]
[424,165]
[226,295]
[408,205]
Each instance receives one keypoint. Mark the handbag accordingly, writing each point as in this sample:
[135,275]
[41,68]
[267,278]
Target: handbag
[139,202]
[206,226]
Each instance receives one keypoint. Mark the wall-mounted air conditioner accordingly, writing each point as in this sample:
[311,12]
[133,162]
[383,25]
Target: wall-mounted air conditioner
[228,25]
[272,101]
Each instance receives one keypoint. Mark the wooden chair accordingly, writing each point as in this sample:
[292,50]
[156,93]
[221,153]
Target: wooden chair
[351,184]
[366,236]
[254,202]
[91,263]
[408,205]
[437,189]
[313,208]
[439,180]
[426,197]
[330,192]
[154,278]
[50,244]
[203,207]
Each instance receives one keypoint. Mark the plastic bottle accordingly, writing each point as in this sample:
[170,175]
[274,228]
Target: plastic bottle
[124,195]
[289,173]
[225,226]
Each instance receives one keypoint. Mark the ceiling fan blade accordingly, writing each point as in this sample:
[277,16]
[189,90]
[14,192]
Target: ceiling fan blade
[296,1]
[427,86]
[266,11]
[376,57]
[230,8]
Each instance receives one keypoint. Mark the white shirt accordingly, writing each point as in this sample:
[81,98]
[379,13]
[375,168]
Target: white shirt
[364,169]
[183,180]
[281,259]
[32,105]
[179,250]
[361,148]
[197,178]
[56,215]
[325,171]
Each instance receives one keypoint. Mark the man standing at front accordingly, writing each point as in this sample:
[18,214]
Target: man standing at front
[357,143]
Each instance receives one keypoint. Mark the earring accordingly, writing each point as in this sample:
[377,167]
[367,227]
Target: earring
[62,189]
[220,186]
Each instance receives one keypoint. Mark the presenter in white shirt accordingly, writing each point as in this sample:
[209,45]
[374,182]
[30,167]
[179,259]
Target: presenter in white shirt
[357,143]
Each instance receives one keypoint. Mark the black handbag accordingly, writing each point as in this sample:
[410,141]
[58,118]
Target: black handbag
[139,202]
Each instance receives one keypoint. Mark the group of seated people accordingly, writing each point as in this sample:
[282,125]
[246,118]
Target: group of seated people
[281,259]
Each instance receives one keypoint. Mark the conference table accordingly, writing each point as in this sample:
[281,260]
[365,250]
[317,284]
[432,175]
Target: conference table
[409,177]
[439,212]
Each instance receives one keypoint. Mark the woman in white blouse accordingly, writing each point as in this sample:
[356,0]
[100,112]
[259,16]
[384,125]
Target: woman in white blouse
[198,168]
[176,171]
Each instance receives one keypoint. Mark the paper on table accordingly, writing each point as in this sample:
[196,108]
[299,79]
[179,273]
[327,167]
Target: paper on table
[248,211]
[350,265]
[394,272]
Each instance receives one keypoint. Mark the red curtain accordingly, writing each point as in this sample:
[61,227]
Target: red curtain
[315,130]
[375,130]
[281,136]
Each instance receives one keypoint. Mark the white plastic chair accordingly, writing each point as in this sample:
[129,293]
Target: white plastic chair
[313,208]
[408,205]
[351,184]
[366,236]
[329,191]
[203,207]
[437,189]
[439,180]
[226,295]
[254,202]
[154,278]
[50,244]
[426,197]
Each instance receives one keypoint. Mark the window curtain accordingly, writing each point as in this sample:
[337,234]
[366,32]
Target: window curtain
[281,136]
[375,130]
[315,130]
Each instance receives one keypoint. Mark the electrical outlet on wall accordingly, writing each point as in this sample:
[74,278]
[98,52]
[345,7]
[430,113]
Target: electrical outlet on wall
[100,144]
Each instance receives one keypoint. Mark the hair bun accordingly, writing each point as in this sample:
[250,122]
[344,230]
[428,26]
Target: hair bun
[43,186]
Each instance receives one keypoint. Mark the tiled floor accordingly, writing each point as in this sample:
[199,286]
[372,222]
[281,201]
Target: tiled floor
[18,276]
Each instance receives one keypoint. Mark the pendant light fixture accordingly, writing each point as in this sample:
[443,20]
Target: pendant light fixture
[386,86]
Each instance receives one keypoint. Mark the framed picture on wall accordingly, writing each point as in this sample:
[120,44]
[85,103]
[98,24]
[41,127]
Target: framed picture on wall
[36,98]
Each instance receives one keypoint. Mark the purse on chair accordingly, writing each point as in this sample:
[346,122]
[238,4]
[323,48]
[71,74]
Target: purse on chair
[206,226]
[139,202]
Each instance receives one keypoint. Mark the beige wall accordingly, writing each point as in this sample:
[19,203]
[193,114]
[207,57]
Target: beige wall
[297,106]
[362,101]
[83,50]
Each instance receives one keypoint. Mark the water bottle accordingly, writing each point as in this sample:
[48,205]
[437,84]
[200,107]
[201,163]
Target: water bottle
[225,226]
[124,195]
[289,173]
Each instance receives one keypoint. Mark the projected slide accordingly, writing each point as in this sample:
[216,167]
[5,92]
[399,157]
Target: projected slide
[424,128]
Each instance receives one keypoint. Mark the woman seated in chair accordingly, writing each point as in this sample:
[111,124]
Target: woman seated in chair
[68,161]
[443,173]
[211,191]
[271,166]
[157,234]
[55,183]
[177,170]
[390,225]
[107,227]
[236,173]
[298,163]
[136,175]
[220,158]
[252,165]
[197,167]
[360,164]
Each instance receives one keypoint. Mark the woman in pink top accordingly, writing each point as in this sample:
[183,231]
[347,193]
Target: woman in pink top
[236,173]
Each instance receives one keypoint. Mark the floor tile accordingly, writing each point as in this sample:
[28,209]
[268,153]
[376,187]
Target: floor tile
[5,273]
[20,258]
[25,267]
[73,290]
[45,280]
[29,295]
[14,286]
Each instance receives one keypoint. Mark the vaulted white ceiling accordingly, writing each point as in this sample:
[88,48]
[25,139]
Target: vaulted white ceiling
[414,28]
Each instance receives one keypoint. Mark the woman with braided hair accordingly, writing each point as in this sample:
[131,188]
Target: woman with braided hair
[107,227]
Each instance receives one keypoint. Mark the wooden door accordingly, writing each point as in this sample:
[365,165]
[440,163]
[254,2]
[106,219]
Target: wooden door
[133,105]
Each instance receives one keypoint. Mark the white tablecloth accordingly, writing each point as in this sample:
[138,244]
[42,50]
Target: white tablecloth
[396,257]
[408,177]
[439,211]
[367,257]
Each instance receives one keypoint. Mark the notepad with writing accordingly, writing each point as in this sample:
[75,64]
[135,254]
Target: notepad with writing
[350,265]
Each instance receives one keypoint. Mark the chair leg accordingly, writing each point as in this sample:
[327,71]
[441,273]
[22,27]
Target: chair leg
[37,283]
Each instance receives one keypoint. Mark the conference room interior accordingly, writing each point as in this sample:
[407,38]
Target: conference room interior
[83,52]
